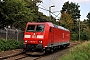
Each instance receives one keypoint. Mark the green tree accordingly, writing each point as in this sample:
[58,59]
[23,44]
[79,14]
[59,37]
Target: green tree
[32,5]
[16,13]
[66,21]
[11,9]
[88,20]
[46,18]
[2,15]
[72,9]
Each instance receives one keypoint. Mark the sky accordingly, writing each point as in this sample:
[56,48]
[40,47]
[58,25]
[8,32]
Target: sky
[84,7]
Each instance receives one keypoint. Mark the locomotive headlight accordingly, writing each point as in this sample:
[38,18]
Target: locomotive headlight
[26,41]
[40,36]
[40,41]
[27,36]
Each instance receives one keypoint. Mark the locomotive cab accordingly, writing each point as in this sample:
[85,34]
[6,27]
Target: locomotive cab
[33,37]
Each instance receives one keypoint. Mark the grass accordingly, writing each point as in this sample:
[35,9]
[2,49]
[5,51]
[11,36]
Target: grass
[80,52]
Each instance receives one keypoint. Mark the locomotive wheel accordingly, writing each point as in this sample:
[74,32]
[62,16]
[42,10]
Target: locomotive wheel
[49,50]
[59,47]
[62,46]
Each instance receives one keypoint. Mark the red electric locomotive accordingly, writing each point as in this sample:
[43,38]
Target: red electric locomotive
[45,36]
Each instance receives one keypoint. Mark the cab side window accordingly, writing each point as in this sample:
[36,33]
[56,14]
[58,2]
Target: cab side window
[50,29]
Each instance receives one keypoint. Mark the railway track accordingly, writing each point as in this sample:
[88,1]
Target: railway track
[23,56]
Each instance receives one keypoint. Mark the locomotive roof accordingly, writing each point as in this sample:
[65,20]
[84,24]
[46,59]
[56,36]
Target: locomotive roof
[35,23]
[60,27]
[50,24]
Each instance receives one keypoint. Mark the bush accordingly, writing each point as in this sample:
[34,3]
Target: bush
[74,36]
[84,35]
[9,44]
[81,52]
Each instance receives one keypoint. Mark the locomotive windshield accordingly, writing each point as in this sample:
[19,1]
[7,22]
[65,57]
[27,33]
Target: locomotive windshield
[35,28]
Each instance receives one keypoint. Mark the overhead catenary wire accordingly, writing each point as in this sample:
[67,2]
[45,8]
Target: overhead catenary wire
[49,11]
[56,7]
[53,3]
[42,6]
[53,13]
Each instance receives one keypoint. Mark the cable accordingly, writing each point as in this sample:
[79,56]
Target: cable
[58,14]
[54,14]
[44,8]
[49,11]
[53,3]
